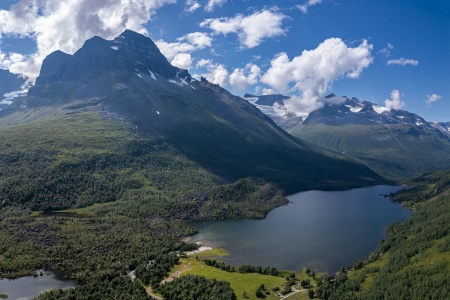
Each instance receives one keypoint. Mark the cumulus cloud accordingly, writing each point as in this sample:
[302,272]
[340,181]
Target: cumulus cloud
[65,25]
[182,60]
[432,98]
[239,81]
[304,7]
[395,102]
[251,29]
[403,62]
[191,6]
[9,59]
[314,71]
[217,73]
[186,44]
[213,3]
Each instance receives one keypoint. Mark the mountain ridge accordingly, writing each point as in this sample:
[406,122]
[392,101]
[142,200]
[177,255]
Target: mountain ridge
[395,143]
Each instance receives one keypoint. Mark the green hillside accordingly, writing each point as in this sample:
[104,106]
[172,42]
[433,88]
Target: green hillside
[414,262]
[395,151]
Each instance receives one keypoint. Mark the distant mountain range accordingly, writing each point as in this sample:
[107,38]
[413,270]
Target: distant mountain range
[266,104]
[395,143]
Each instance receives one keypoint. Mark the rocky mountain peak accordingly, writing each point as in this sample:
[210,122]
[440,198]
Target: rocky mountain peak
[128,53]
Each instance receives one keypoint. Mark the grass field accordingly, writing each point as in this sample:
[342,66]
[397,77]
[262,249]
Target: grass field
[241,283]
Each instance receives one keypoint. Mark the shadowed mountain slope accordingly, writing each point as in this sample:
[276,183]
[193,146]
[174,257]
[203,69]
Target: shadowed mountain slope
[130,81]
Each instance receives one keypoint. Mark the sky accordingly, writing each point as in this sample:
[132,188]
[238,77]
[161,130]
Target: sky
[391,52]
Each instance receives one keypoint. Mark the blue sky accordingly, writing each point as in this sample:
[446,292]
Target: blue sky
[394,50]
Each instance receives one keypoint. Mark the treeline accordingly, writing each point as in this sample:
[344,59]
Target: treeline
[242,268]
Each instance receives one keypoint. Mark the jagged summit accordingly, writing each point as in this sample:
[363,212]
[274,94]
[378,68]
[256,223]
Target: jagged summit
[126,54]
[356,111]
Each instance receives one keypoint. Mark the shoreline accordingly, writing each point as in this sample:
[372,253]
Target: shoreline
[201,248]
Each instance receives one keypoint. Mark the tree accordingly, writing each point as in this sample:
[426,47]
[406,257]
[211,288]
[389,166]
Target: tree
[259,293]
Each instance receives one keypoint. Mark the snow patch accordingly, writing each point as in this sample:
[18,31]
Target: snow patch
[151,74]
[173,81]
[183,81]
[140,76]
[380,109]
[157,112]
[6,101]
[114,48]
[354,109]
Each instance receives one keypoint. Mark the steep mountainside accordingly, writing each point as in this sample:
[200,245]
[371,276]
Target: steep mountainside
[129,80]
[442,126]
[395,143]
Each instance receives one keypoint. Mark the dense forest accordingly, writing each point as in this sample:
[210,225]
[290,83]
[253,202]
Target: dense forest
[93,200]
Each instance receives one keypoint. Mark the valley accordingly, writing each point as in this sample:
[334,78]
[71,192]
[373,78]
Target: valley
[114,152]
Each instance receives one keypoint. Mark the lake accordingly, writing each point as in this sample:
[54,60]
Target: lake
[323,231]
[30,287]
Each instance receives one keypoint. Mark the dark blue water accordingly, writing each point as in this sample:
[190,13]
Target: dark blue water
[320,230]
[30,287]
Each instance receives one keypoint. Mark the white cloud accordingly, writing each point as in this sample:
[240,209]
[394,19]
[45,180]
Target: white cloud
[432,98]
[186,44]
[386,51]
[217,73]
[66,25]
[266,91]
[191,6]
[304,7]
[182,60]
[314,71]
[213,3]
[204,63]
[239,81]
[403,62]
[395,102]
[9,59]
[252,29]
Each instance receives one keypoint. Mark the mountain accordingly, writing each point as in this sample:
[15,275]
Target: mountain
[442,126]
[395,143]
[9,83]
[128,81]
[267,104]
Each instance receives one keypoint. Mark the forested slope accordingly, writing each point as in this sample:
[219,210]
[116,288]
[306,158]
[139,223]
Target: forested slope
[414,262]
